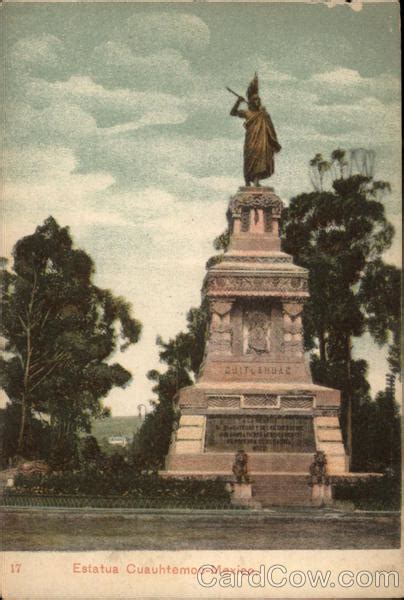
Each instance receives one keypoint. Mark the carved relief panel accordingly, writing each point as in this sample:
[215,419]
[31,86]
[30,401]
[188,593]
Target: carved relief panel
[277,341]
[220,335]
[256,331]
[293,328]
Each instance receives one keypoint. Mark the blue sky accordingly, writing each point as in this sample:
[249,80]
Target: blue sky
[117,124]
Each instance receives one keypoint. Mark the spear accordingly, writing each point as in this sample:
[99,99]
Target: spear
[235,93]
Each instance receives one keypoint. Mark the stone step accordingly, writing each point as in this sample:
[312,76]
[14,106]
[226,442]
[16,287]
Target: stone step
[281,490]
[266,462]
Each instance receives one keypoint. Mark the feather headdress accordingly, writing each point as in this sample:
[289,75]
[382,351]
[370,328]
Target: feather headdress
[252,91]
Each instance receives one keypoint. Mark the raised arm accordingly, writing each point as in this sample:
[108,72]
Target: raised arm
[235,112]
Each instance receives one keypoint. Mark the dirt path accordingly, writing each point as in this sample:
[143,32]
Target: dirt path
[48,529]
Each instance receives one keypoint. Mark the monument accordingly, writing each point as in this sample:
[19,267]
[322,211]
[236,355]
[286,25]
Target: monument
[254,393]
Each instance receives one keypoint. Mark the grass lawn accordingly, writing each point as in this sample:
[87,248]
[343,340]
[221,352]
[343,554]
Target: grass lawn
[103,428]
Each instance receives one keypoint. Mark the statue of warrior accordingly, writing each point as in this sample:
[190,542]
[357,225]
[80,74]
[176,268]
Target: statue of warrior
[318,469]
[240,467]
[261,142]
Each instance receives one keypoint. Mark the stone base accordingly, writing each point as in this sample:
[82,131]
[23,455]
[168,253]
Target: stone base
[241,492]
[321,494]
[281,489]
[277,489]
[221,463]
[189,452]
[241,495]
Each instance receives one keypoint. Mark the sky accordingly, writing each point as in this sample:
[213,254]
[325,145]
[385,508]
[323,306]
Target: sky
[117,124]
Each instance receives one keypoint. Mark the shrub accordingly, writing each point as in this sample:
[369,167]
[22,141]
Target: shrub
[374,493]
[122,481]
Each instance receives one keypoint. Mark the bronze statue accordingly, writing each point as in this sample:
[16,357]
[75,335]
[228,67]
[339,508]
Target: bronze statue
[318,469]
[240,467]
[261,142]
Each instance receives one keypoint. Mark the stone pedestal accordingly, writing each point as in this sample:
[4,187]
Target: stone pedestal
[241,494]
[254,391]
[321,494]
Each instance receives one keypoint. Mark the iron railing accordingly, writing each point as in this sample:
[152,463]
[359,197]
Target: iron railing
[75,501]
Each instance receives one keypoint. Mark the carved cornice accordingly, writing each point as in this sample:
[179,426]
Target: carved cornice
[255,198]
[232,283]
[257,259]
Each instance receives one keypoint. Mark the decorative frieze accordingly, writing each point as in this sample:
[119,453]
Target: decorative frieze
[201,402]
[258,259]
[333,411]
[265,199]
[260,401]
[300,402]
[271,283]
[222,401]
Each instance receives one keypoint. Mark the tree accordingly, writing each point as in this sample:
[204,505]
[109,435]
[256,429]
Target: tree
[378,427]
[339,235]
[183,356]
[318,168]
[60,332]
[339,163]
[90,449]
[381,297]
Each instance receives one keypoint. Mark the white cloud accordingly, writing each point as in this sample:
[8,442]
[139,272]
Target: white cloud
[114,64]
[97,133]
[364,122]
[267,72]
[36,51]
[56,124]
[163,159]
[150,31]
[166,116]
[136,108]
[351,85]
[41,182]
[340,76]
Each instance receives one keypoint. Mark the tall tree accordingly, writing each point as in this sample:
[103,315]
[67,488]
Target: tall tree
[339,235]
[380,294]
[60,332]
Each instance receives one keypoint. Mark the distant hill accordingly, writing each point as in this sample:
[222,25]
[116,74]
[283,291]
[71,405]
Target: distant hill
[105,428]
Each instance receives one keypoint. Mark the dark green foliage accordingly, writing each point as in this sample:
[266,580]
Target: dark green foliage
[381,296]
[64,454]
[214,260]
[318,169]
[90,450]
[378,434]
[381,493]
[183,356]
[153,440]
[332,373]
[340,235]
[10,418]
[120,481]
[222,241]
[60,331]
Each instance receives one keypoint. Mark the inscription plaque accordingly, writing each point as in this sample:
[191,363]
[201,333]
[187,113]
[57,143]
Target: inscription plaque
[259,433]
[256,370]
